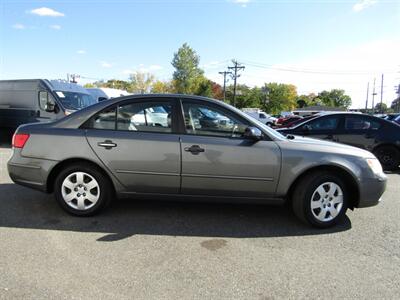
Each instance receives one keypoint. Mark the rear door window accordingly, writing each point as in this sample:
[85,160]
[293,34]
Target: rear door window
[324,123]
[145,116]
[359,123]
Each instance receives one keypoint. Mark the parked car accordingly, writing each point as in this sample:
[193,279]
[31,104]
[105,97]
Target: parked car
[287,121]
[397,120]
[239,159]
[374,134]
[261,116]
[298,121]
[391,117]
[39,100]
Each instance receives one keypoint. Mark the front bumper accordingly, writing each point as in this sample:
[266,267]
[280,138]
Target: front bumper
[371,190]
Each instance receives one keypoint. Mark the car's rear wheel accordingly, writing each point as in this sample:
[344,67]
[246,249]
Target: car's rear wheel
[389,157]
[82,190]
[320,199]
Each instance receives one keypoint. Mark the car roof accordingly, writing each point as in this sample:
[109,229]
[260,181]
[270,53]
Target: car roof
[339,114]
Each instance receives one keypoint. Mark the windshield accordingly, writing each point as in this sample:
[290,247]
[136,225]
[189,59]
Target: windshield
[74,100]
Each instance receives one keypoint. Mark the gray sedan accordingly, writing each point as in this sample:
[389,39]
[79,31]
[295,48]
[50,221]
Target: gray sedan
[177,146]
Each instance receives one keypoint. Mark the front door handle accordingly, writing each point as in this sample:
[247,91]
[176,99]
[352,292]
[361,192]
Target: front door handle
[194,149]
[107,144]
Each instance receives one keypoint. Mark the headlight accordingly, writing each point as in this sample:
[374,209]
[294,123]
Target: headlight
[374,165]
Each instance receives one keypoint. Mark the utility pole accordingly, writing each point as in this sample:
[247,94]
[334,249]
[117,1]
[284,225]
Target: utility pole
[236,67]
[373,98]
[225,73]
[366,101]
[381,95]
[73,78]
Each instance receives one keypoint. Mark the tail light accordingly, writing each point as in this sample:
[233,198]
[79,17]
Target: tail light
[19,140]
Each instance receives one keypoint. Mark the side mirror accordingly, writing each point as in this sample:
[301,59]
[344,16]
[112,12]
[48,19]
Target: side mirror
[46,103]
[253,133]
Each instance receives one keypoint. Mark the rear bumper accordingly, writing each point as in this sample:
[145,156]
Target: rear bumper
[371,190]
[30,172]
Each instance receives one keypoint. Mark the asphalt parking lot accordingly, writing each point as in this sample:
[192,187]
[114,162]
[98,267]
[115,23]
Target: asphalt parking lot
[160,250]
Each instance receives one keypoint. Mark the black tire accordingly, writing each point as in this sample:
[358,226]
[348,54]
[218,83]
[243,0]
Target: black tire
[269,124]
[105,190]
[389,157]
[303,193]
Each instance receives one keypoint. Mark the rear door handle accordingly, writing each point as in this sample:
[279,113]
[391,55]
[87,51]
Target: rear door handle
[107,144]
[194,149]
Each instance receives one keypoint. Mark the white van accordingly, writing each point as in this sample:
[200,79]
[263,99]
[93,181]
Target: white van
[260,116]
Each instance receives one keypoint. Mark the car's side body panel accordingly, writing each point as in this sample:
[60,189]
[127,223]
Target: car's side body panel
[230,167]
[143,162]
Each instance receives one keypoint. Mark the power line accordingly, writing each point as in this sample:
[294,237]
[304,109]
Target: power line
[236,67]
[316,71]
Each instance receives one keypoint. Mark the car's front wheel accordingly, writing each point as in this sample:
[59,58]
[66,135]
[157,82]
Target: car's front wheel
[389,157]
[320,199]
[82,190]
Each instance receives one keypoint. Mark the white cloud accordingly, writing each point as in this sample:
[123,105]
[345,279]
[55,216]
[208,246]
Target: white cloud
[81,51]
[55,27]
[105,64]
[19,26]
[155,67]
[46,12]
[128,72]
[363,4]
[142,68]
[242,3]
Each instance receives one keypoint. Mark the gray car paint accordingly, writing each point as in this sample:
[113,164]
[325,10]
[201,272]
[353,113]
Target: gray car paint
[151,163]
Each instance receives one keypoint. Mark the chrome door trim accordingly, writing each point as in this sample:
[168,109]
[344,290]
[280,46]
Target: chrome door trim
[146,173]
[230,177]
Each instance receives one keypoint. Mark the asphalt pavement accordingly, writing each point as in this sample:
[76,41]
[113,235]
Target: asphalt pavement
[177,250]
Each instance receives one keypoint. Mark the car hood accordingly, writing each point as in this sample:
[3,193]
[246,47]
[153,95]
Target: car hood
[319,145]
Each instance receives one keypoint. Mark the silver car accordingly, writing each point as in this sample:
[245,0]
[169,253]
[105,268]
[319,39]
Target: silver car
[106,151]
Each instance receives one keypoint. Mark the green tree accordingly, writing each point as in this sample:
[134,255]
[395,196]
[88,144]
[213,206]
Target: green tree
[162,87]
[335,98]
[279,97]
[381,108]
[187,71]
[114,83]
[89,85]
[201,86]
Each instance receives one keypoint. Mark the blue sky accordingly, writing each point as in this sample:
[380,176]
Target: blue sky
[348,43]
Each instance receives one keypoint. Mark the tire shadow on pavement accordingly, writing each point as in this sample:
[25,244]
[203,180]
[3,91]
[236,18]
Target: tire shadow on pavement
[24,208]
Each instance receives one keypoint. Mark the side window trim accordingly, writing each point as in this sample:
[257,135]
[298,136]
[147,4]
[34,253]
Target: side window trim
[211,105]
[169,101]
